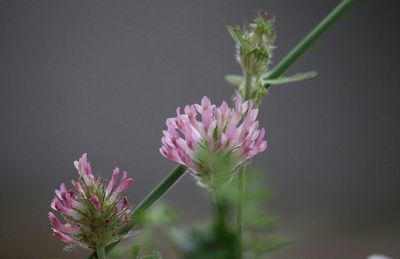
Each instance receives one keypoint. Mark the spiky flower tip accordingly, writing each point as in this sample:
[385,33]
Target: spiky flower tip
[222,139]
[94,213]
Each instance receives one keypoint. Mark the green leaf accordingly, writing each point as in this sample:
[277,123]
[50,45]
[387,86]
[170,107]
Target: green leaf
[234,79]
[291,79]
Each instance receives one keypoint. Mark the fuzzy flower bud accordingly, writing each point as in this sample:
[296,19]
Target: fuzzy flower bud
[255,44]
[94,213]
[254,51]
[221,140]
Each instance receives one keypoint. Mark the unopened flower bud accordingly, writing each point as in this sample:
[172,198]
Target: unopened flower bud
[255,44]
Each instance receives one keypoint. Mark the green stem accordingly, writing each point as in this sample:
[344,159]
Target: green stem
[155,195]
[239,209]
[247,86]
[241,181]
[150,199]
[309,39]
[101,253]
[215,203]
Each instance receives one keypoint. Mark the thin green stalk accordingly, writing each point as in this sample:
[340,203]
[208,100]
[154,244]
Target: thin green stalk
[241,182]
[309,39]
[150,199]
[101,253]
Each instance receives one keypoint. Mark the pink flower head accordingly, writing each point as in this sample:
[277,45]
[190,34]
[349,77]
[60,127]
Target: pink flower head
[94,213]
[231,131]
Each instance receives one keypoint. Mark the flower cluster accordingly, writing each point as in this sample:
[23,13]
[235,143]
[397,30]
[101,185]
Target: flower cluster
[232,132]
[94,213]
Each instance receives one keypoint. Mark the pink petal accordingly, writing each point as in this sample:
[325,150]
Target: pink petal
[112,181]
[78,186]
[80,165]
[205,103]
[62,236]
[224,107]
[67,229]
[122,205]
[124,183]
[61,208]
[95,202]
[239,103]
[206,119]
[88,170]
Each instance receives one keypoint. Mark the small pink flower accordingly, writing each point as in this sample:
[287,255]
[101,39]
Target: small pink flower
[232,131]
[90,208]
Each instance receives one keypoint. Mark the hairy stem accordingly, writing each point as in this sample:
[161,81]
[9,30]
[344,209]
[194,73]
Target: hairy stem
[150,199]
[309,39]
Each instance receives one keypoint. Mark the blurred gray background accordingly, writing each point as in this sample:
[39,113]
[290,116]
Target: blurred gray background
[102,76]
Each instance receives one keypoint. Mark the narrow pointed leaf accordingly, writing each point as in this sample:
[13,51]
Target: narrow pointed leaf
[234,79]
[291,79]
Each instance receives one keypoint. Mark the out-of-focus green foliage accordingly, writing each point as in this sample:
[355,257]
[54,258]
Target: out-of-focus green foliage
[217,238]
[258,223]
[156,255]
[214,241]
[156,221]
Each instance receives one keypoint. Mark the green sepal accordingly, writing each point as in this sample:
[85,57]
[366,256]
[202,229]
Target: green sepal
[238,36]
